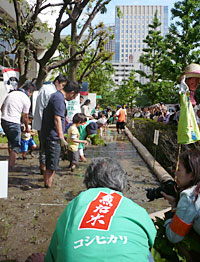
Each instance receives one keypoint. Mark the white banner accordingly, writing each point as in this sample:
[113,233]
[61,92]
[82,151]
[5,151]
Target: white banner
[73,107]
[10,78]
[4,179]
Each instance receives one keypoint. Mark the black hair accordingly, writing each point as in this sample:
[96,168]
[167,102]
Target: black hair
[78,118]
[61,78]
[100,114]
[87,101]
[177,107]
[105,172]
[30,115]
[84,117]
[72,86]
[191,161]
[29,85]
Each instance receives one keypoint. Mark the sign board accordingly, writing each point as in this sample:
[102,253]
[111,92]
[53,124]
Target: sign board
[73,107]
[4,179]
[11,78]
[156,136]
[99,97]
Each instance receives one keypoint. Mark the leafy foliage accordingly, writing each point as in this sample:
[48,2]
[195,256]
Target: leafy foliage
[164,250]
[182,41]
[155,87]
[127,91]
[22,35]
[96,140]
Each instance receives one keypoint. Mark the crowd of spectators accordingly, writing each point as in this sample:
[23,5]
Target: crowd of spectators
[158,112]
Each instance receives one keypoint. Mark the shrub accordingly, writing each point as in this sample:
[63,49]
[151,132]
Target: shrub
[167,149]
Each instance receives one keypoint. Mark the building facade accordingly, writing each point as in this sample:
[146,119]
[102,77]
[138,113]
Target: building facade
[132,28]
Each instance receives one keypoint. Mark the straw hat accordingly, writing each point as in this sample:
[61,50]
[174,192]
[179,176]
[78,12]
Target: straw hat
[192,70]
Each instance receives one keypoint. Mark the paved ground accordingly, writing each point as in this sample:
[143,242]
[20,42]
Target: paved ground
[29,215]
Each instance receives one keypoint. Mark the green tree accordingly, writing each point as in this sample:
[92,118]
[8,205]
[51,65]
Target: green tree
[24,45]
[92,58]
[94,69]
[127,91]
[183,39]
[154,87]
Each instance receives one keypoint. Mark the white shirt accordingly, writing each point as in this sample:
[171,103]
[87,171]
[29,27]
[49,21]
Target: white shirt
[41,103]
[16,103]
[85,110]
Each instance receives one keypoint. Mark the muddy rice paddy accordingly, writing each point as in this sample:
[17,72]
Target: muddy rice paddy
[28,217]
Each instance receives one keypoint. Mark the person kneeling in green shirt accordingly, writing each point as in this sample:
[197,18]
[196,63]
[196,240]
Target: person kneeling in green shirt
[100,224]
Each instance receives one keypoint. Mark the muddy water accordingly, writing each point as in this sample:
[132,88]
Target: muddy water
[29,215]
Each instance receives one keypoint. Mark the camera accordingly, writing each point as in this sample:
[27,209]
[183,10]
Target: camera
[168,187]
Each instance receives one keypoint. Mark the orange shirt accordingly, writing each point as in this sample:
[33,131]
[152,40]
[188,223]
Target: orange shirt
[121,115]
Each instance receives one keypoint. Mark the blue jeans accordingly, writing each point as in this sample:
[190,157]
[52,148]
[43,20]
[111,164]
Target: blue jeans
[13,134]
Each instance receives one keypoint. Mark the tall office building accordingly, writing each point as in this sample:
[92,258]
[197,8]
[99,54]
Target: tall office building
[132,28]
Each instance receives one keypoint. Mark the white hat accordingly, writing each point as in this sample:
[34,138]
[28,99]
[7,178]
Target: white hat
[192,70]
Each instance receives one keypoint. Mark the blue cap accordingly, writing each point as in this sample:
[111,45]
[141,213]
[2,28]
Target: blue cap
[93,127]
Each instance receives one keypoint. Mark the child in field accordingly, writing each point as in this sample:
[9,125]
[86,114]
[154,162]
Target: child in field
[27,142]
[73,140]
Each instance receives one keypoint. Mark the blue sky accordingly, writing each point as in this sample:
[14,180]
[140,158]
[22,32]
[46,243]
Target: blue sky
[109,17]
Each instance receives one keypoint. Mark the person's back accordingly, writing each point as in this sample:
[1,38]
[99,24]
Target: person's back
[43,97]
[100,224]
[15,103]
[121,116]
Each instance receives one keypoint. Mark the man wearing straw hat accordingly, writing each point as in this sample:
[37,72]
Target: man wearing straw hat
[192,79]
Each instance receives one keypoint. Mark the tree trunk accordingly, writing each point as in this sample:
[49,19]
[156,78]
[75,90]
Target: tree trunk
[73,66]
[41,76]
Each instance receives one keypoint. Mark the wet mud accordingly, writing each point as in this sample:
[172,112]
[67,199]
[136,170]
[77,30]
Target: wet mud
[29,216]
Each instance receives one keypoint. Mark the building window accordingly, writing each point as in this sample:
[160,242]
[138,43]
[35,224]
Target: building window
[122,50]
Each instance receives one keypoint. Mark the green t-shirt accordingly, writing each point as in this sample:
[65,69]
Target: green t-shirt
[102,225]
[83,133]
